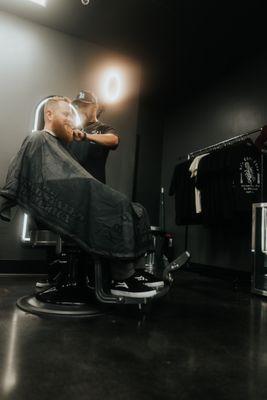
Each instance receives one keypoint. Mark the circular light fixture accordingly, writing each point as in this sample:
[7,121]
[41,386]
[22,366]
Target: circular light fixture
[112,86]
[85,2]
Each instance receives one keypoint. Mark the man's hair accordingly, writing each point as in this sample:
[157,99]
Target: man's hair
[53,101]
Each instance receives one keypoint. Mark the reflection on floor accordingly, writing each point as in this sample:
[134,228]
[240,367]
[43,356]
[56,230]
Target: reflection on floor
[204,340]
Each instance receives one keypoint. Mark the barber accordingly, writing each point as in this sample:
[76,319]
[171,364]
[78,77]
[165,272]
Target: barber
[93,141]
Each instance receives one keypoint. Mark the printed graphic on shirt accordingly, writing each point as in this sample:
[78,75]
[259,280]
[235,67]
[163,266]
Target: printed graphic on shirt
[249,175]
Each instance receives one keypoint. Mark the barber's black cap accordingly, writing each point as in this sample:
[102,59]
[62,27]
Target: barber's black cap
[85,97]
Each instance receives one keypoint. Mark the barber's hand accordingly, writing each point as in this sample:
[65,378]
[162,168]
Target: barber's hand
[78,135]
[67,133]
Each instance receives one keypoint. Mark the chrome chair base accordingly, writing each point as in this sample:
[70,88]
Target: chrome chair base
[32,305]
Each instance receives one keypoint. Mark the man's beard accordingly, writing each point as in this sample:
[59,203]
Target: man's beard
[62,131]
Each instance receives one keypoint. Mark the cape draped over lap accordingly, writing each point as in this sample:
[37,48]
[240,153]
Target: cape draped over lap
[50,185]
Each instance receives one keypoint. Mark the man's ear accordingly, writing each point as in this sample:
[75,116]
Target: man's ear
[49,114]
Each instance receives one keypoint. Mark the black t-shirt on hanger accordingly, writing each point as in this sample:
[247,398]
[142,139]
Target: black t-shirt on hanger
[229,181]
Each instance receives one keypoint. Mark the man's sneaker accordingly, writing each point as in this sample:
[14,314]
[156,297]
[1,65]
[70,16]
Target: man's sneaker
[148,279]
[131,287]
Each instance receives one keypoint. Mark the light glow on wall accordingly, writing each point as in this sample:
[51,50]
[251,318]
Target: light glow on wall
[112,85]
[39,2]
[115,80]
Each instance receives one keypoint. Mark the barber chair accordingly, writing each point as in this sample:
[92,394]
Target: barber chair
[76,297]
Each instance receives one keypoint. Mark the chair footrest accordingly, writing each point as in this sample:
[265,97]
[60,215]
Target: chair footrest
[175,265]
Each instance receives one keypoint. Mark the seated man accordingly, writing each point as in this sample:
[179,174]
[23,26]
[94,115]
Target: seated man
[49,184]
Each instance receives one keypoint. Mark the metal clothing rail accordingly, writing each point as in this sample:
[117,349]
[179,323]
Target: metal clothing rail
[219,145]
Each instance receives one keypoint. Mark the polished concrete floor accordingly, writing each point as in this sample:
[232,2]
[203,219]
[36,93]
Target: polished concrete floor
[205,340]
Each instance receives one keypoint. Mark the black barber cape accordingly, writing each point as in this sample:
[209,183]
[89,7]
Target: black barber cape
[91,155]
[50,185]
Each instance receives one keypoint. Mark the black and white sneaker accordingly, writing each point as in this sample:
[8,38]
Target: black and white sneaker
[148,279]
[131,287]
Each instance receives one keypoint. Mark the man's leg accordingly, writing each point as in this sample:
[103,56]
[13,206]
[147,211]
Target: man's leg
[121,270]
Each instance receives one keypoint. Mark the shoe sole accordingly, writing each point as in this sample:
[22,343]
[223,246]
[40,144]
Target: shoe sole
[155,284]
[141,295]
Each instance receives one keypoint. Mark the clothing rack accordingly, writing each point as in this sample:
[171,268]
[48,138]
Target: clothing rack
[219,145]
[214,147]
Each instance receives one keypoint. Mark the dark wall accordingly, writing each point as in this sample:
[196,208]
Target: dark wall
[221,91]
[212,38]
[148,158]
[157,86]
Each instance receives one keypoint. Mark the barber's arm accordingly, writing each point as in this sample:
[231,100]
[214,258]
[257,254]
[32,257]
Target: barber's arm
[106,139]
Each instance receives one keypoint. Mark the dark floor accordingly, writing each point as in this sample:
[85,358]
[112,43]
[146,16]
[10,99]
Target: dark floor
[204,340]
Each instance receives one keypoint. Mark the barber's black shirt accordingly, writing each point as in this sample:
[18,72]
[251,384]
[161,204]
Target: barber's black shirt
[93,156]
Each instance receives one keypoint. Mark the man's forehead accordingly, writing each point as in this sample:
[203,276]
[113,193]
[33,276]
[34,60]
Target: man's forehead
[63,105]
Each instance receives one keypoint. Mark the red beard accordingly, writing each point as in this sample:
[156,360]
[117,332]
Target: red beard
[63,131]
